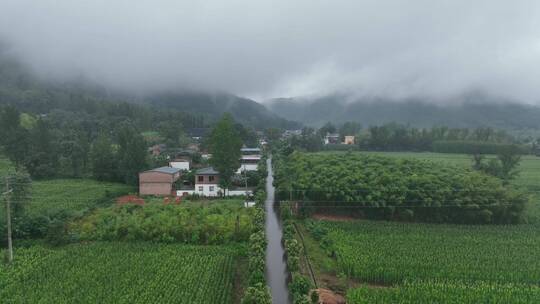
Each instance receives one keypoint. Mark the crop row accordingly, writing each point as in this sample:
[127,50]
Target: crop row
[120,273]
[389,253]
[446,292]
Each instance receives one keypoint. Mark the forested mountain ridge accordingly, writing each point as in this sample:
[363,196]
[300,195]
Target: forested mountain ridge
[21,88]
[214,104]
[468,111]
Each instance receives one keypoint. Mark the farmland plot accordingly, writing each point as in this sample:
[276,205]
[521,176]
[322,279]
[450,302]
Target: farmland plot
[427,263]
[120,273]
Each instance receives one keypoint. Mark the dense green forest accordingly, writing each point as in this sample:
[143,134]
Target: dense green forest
[77,129]
[377,187]
[399,137]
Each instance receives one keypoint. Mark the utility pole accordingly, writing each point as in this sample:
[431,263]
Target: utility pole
[8,220]
[245,178]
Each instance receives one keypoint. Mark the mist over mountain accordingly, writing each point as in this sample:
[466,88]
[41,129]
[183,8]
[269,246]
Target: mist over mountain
[214,104]
[20,87]
[268,49]
[468,110]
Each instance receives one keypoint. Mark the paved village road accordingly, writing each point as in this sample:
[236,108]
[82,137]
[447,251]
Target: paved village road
[276,266]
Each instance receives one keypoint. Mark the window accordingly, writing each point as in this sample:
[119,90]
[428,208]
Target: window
[201,188]
[200,178]
[211,178]
[211,188]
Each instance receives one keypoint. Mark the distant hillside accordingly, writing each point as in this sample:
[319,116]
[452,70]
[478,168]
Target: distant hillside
[23,89]
[473,110]
[213,105]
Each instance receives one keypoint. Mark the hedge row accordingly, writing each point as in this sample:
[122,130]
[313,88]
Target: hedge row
[258,291]
[300,285]
[475,147]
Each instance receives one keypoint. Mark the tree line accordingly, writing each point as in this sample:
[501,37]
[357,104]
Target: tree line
[399,137]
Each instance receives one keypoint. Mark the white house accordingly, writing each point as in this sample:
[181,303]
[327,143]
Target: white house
[181,164]
[249,160]
[331,138]
[207,184]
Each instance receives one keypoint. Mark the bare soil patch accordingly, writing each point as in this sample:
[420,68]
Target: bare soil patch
[335,218]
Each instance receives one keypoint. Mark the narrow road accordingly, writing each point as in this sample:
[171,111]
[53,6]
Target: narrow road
[276,266]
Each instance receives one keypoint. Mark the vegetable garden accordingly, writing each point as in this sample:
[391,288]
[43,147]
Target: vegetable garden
[187,223]
[121,273]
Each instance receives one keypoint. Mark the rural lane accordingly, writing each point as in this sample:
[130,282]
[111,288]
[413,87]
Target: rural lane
[276,266]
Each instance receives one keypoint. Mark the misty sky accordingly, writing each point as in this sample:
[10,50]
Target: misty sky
[278,48]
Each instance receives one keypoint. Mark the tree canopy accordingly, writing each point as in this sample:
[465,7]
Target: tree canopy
[225,145]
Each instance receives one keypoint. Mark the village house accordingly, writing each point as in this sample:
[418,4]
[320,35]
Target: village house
[348,140]
[159,181]
[331,138]
[206,184]
[291,133]
[249,160]
[182,163]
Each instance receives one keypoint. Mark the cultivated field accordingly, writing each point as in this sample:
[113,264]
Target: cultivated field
[436,292]
[120,273]
[429,263]
[389,253]
[397,262]
[53,196]
[49,197]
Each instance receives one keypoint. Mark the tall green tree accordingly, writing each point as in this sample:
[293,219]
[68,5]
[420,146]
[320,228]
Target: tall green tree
[132,153]
[225,144]
[43,154]
[14,139]
[102,159]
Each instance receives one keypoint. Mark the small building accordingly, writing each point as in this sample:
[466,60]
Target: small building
[207,182]
[180,163]
[331,138]
[349,140]
[249,160]
[291,133]
[159,181]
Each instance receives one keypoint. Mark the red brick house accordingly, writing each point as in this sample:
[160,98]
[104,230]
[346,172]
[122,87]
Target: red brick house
[159,181]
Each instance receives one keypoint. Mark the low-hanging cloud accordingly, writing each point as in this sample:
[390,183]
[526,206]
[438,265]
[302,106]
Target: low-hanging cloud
[279,48]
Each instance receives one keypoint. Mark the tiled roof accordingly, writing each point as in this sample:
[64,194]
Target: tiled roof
[251,150]
[168,170]
[207,171]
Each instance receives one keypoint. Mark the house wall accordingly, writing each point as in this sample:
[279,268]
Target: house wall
[156,183]
[207,189]
[349,140]
[157,177]
[247,167]
[155,188]
[207,192]
[206,179]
